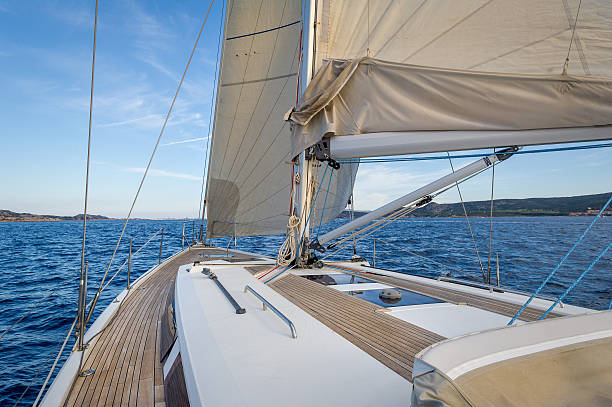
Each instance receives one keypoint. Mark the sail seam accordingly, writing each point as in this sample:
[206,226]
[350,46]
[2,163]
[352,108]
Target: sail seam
[246,131]
[264,31]
[272,78]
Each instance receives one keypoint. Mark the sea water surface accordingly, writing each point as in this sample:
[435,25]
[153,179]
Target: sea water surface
[41,260]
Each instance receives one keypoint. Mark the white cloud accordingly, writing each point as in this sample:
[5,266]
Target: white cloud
[164,173]
[378,184]
[152,120]
[192,140]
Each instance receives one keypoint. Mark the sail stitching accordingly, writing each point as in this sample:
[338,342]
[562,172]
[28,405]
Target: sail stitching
[393,36]
[264,31]
[208,146]
[505,54]
[267,150]
[262,128]
[254,109]
[585,65]
[271,78]
[246,68]
[458,23]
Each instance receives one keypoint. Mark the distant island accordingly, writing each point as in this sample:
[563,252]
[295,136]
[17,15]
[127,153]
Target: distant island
[10,216]
[583,205]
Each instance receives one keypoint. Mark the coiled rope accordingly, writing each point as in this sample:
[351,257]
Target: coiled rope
[287,251]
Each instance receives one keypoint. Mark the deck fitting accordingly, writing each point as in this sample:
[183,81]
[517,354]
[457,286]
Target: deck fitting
[87,372]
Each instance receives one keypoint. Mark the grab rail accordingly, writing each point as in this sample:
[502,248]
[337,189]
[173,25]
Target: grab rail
[213,277]
[273,308]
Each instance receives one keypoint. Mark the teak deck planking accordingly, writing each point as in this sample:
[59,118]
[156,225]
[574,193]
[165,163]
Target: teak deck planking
[459,297]
[391,341]
[126,356]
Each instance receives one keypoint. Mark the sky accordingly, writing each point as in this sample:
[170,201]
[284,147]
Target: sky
[142,48]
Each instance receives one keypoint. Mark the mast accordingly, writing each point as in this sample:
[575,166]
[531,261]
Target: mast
[305,196]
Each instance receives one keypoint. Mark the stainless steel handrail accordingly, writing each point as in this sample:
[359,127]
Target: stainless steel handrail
[273,308]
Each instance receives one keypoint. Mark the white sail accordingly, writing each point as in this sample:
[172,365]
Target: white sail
[249,178]
[431,67]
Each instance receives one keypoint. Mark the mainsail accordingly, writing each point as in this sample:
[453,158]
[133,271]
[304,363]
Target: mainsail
[250,171]
[465,66]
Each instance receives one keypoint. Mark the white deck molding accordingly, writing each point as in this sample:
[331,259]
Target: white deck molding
[227,358]
[455,357]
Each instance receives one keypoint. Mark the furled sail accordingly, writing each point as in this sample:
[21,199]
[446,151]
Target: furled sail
[249,177]
[464,66]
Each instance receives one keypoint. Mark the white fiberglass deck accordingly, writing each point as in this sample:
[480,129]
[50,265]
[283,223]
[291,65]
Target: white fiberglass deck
[252,360]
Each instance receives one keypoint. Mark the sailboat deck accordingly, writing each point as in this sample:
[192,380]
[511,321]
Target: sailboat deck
[497,306]
[391,341]
[126,356]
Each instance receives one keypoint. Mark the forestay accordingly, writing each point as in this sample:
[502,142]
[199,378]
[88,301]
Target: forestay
[457,66]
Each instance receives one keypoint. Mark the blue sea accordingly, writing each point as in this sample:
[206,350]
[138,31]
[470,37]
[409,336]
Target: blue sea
[39,259]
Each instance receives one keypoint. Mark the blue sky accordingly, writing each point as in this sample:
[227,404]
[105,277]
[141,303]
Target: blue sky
[45,63]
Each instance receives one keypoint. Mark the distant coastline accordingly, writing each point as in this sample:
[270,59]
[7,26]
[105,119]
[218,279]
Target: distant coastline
[582,205]
[10,216]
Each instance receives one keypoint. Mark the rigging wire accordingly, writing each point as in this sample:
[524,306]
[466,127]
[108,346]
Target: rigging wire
[474,155]
[202,206]
[42,389]
[419,255]
[552,273]
[32,308]
[368,46]
[133,254]
[491,223]
[569,48]
[325,201]
[144,176]
[352,219]
[571,287]
[38,372]
[81,300]
[467,218]
[391,218]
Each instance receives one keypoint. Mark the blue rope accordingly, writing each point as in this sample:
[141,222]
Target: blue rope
[520,311]
[571,287]
[325,201]
[306,225]
[475,155]
[610,306]
[277,274]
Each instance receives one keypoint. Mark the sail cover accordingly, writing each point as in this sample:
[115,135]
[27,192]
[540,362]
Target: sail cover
[249,177]
[461,65]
